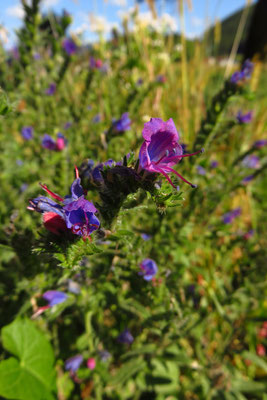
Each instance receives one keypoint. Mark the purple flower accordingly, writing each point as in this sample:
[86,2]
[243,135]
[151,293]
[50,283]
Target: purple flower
[50,91]
[104,355]
[73,287]
[231,215]
[247,179]
[214,164]
[54,297]
[139,82]
[23,187]
[260,143]
[80,217]
[37,56]
[161,150]
[122,124]
[67,125]
[56,145]
[97,118]
[201,170]
[251,161]
[148,269]
[96,63]
[245,73]
[19,163]
[145,236]
[161,78]
[76,213]
[125,337]
[249,234]
[244,118]
[73,363]
[69,46]
[27,132]
[96,172]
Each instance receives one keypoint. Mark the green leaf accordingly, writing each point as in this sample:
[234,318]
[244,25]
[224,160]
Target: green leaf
[30,376]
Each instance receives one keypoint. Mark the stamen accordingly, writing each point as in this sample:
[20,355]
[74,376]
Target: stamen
[180,176]
[52,194]
[76,172]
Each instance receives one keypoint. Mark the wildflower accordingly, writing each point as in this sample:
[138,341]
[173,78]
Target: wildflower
[23,187]
[139,82]
[244,118]
[57,145]
[231,215]
[145,236]
[247,179]
[96,63]
[149,269]
[76,213]
[161,78]
[251,161]
[245,73]
[261,351]
[125,337]
[72,364]
[69,46]
[201,170]
[91,363]
[104,355]
[214,164]
[27,132]
[50,91]
[54,297]
[161,150]
[248,235]
[96,119]
[37,56]
[96,172]
[260,143]
[67,125]
[73,287]
[122,124]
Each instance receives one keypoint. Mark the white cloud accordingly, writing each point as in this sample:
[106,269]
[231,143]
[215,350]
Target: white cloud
[49,3]
[119,3]
[15,11]
[197,22]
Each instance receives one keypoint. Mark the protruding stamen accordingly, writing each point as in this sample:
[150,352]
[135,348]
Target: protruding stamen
[76,172]
[193,186]
[52,194]
[180,176]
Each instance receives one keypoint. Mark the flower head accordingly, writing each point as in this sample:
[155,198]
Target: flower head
[73,363]
[260,143]
[69,46]
[148,269]
[50,91]
[145,236]
[96,63]
[91,363]
[54,297]
[27,132]
[245,73]
[201,170]
[67,125]
[104,355]
[122,124]
[56,145]
[214,164]
[247,179]
[251,161]
[244,118]
[125,337]
[161,150]
[231,215]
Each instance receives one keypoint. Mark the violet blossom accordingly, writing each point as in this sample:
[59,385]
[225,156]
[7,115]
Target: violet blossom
[72,364]
[161,150]
[214,164]
[122,124]
[251,161]
[244,118]
[260,143]
[245,73]
[56,145]
[201,170]
[54,297]
[125,337]
[247,179]
[27,132]
[148,269]
[228,217]
[50,91]
[69,46]
[96,63]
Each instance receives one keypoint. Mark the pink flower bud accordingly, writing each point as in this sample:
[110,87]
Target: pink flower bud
[91,363]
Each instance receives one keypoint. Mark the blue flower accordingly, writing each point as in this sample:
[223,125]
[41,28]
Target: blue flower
[73,363]
[69,46]
[27,132]
[245,73]
[50,91]
[145,236]
[201,170]
[125,337]
[260,143]
[54,297]
[122,124]
[244,118]
[251,161]
[228,218]
[148,269]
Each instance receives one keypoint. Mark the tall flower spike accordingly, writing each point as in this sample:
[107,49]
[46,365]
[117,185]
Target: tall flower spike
[161,150]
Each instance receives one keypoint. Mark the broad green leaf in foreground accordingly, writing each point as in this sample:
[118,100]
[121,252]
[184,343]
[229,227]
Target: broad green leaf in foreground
[30,376]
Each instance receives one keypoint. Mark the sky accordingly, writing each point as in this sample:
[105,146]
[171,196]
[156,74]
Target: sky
[111,11]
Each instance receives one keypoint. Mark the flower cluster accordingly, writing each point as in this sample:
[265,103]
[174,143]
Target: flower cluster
[245,73]
[56,145]
[75,213]
[228,218]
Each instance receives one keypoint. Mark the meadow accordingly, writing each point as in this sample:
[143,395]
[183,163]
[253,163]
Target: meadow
[126,273]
